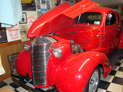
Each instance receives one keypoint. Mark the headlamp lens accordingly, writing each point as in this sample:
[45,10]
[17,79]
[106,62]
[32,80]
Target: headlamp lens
[26,47]
[57,52]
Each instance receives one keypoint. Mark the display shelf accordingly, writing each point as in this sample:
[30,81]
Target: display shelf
[12,43]
[9,43]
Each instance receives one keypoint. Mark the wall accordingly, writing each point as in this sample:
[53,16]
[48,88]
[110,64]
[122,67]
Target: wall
[6,49]
[16,45]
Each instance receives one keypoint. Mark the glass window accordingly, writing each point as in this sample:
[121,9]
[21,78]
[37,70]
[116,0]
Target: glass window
[90,18]
[118,18]
[111,19]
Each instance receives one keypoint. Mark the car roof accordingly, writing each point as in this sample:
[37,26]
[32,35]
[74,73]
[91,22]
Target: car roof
[101,10]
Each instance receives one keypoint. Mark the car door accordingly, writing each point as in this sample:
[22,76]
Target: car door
[111,32]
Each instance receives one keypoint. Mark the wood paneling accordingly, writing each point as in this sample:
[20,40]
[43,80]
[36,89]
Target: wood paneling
[6,49]
[5,76]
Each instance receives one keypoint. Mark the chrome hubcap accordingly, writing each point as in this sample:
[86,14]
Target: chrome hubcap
[94,81]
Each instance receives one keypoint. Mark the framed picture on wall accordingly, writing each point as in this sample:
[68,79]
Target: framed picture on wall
[28,5]
[3,37]
[38,14]
[23,32]
[38,4]
[24,18]
[12,59]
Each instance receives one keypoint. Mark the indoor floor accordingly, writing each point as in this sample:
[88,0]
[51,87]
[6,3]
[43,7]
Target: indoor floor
[113,83]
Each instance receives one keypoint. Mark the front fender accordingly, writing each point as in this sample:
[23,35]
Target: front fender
[72,73]
[23,63]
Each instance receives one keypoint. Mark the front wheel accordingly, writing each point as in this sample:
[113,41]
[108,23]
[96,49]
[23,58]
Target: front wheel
[93,82]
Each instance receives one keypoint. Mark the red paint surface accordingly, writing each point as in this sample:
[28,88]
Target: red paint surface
[71,72]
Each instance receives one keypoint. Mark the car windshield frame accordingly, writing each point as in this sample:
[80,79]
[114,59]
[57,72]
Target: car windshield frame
[94,18]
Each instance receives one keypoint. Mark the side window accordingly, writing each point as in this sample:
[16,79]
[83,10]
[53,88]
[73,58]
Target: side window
[111,19]
[118,18]
[76,20]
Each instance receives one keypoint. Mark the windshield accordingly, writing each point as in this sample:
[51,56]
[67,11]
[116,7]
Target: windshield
[89,18]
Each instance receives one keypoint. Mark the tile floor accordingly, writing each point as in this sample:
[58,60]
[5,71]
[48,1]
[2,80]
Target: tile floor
[113,82]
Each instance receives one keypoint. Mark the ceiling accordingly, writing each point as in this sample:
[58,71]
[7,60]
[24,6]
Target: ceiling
[109,2]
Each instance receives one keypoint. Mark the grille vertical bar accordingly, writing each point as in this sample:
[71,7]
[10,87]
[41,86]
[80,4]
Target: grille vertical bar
[40,55]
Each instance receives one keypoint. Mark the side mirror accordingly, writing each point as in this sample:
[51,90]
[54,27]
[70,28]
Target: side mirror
[109,16]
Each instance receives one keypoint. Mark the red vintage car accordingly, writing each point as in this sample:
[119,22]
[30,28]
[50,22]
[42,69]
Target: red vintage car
[72,46]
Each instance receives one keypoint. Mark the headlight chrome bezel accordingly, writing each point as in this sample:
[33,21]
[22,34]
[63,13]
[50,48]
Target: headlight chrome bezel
[57,52]
[26,47]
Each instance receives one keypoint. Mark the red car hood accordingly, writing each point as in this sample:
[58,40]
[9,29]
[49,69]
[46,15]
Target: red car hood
[59,18]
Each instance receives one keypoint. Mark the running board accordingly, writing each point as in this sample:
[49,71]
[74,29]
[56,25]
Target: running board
[115,56]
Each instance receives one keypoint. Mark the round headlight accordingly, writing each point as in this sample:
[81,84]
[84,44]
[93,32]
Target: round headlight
[26,47]
[57,52]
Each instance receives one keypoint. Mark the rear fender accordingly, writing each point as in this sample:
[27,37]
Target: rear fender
[72,73]
[23,63]
[120,42]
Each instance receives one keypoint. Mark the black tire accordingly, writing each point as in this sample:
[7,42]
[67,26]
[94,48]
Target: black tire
[96,72]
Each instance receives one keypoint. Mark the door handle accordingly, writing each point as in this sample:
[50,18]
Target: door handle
[118,29]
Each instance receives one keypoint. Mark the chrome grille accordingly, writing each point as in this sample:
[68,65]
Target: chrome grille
[40,55]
